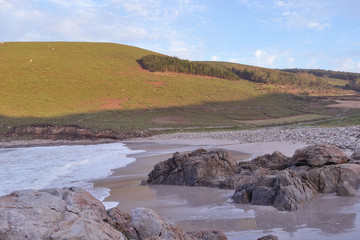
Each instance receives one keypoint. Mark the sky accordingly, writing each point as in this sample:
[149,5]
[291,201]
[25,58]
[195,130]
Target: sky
[320,34]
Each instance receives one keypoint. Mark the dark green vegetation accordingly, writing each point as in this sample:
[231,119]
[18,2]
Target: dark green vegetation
[353,79]
[102,86]
[160,63]
[231,71]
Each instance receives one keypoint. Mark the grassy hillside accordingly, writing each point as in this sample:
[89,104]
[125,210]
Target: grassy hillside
[102,86]
[54,79]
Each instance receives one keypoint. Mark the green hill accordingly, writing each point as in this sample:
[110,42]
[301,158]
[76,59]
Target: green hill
[103,86]
[57,78]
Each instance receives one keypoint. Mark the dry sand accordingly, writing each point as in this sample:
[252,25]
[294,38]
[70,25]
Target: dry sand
[200,208]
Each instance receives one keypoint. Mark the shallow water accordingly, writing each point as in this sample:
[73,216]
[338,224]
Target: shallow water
[61,166]
[201,208]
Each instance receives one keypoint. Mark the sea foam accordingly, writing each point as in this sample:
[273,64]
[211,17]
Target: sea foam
[61,166]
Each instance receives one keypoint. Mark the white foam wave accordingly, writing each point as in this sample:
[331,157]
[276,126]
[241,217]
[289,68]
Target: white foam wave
[61,166]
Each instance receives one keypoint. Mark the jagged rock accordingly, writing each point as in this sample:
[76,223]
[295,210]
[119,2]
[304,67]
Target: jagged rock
[122,222]
[69,213]
[290,188]
[198,168]
[356,154]
[268,237]
[149,225]
[322,169]
[319,155]
[282,190]
[72,213]
[274,161]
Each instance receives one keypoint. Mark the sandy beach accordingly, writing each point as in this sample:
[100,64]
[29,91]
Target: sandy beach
[201,208]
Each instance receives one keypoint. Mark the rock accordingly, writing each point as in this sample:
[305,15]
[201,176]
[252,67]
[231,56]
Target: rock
[269,237]
[282,190]
[148,225]
[68,213]
[356,154]
[198,168]
[122,222]
[274,161]
[295,185]
[71,132]
[319,155]
[72,213]
[205,235]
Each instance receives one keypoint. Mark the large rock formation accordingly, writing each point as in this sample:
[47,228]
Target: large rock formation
[72,213]
[273,179]
[198,168]
[71,132]
[315,169]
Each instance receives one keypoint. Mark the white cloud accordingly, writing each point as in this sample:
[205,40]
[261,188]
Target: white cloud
[300,14]
[347,65]
[263,58]
[303,14]
[319,26]
[215,58]
[149,24]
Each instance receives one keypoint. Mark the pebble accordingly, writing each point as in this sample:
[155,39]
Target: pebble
[343,137]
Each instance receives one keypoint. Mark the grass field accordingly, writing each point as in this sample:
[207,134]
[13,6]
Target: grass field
[101,86]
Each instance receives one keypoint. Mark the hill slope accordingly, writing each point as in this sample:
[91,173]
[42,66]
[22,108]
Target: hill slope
[57,78]
[102,86]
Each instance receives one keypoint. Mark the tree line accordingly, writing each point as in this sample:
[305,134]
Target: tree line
[352,77]
[158,63]
[161,63]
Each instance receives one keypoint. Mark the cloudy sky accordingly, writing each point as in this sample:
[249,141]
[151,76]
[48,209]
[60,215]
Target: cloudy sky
[270,33]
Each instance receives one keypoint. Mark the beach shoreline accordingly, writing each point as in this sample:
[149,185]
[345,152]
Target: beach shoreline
[193,208]
[200,208]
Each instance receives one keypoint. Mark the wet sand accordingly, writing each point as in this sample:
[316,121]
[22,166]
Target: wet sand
[201,208]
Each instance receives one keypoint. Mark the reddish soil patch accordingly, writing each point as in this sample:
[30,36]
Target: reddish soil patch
[165,120]
[111,103]
[155,83]
[105,103]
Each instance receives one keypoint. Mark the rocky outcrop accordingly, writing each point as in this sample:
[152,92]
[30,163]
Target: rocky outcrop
[273,179]
[54,214]
[198,168]
[72,213]
[315,169]
[71,132]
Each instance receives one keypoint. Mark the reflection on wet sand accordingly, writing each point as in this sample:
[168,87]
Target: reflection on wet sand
[326,215]
[200,208]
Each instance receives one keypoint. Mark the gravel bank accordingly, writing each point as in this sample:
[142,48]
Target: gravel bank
[343,137]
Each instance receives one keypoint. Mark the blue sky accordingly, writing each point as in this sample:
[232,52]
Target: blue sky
[269,33]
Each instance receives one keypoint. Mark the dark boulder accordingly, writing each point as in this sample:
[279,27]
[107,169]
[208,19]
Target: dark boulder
[198,168]
[290,188]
